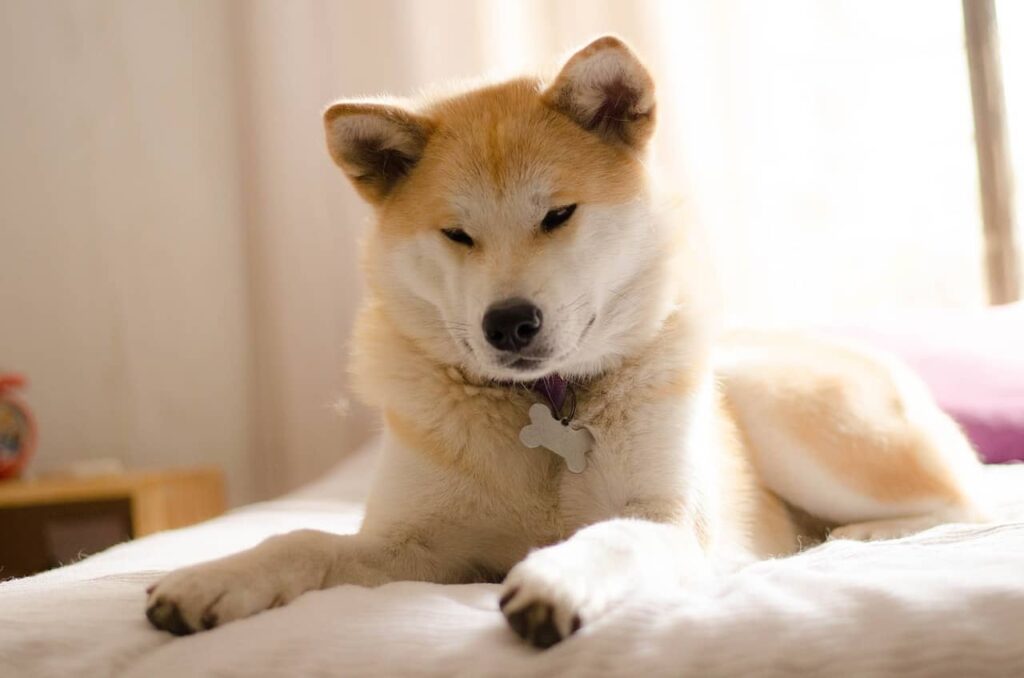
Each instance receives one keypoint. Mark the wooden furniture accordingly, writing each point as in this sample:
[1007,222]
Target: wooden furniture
[49,522]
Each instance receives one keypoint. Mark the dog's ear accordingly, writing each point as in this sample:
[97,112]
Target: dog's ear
[377,145]
[606,90]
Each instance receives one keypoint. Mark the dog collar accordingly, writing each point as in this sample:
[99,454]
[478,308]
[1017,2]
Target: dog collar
[549,424]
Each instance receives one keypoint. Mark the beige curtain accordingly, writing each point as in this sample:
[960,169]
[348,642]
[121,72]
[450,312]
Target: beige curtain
[825,146]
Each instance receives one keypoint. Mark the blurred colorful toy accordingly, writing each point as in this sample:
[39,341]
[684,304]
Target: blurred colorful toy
[17,428]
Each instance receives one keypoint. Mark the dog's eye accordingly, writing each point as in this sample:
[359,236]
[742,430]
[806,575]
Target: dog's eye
[457,235]
[557,217]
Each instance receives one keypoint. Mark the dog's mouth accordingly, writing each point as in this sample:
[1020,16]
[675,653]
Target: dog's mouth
[524,363]
[528,364]
[533,363]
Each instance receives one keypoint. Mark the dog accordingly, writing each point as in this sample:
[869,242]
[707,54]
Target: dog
[562,417]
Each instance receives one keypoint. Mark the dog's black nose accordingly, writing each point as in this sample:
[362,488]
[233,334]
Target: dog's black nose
[512,324]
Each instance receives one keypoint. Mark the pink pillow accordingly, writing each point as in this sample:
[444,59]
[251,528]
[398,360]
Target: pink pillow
[974,363]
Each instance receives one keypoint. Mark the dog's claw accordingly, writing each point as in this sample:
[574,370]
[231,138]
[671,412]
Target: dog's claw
[506,598]
[209,620]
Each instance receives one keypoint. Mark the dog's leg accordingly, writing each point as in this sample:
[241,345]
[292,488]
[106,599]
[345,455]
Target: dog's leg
[550,594]
[280,569]
[851,437]
[652,504]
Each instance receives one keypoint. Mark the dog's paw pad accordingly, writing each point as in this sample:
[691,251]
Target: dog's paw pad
[166,615]
[545,602]
[535,624]
[539,620]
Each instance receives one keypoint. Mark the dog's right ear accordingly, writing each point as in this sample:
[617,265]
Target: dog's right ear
[606,90]
[376,145]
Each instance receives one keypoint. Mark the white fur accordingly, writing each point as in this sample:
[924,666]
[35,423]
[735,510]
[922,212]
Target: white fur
[586,575]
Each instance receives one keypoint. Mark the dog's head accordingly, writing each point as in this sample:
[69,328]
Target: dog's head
[515,235]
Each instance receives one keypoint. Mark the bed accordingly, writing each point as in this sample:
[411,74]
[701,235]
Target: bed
[949,601]
[946,602]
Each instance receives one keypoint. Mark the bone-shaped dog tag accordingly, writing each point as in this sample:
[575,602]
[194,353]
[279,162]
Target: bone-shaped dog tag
[571,444]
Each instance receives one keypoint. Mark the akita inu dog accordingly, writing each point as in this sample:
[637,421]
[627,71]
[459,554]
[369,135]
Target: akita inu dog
[561,416]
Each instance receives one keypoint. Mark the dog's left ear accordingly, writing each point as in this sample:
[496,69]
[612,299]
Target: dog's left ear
[606,90]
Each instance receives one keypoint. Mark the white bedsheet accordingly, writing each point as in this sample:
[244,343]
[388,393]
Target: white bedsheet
[947,602]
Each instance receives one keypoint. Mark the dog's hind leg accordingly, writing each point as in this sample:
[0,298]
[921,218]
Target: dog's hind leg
[852,438]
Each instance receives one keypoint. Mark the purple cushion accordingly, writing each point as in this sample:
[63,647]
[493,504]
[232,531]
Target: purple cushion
[974,363]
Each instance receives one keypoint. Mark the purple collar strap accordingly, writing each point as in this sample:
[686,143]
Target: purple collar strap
[554,388]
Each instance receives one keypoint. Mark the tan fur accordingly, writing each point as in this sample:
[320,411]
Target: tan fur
[843,405]
[491,137]
[758,514]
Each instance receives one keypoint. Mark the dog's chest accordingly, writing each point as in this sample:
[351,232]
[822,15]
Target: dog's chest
[641,428]
[547,494]
[636,425]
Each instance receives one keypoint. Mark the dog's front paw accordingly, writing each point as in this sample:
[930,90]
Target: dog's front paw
[204,596]
[535,622]
[546,602]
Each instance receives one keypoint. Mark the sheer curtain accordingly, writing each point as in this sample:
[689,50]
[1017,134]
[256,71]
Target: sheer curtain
[826,147]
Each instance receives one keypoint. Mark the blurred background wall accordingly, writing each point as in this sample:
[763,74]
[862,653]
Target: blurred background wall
[124,281]
[179,260]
